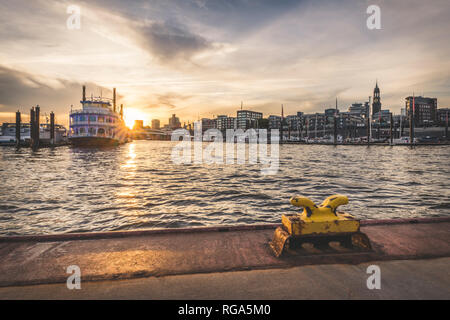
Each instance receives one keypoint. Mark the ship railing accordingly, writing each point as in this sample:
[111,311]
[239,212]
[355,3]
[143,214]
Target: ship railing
[87,134]
[93,123]
[93,110]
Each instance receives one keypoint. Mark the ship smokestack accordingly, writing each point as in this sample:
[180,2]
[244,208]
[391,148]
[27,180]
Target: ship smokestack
[84,93]
[121,111]
[114,99]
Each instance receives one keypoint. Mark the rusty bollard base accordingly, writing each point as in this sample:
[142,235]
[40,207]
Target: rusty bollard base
[319,229]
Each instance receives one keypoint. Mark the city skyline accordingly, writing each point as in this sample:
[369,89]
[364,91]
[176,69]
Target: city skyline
[202,58]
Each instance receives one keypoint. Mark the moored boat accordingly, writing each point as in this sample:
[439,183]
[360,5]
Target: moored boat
[97,124]
[8,134]
[403,140]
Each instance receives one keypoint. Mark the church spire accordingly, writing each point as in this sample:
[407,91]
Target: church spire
[376,105]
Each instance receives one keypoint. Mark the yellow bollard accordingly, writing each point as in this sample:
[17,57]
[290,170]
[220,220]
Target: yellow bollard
[323,220]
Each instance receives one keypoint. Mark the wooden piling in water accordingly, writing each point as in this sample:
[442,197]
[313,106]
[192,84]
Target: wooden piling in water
[391,125]
[335,129]
[18,125]
[52,128]
[37,125]
[402,125]
[411,127]
[379,130]
[368,130]
[32,125]
[114,99]
[306,129]
[446,126]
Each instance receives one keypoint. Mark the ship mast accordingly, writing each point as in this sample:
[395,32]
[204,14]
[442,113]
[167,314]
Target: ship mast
[114,99]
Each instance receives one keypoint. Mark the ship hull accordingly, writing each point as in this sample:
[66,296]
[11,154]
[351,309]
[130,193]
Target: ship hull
[93,141]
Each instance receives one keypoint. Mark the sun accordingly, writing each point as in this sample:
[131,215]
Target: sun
[130,114]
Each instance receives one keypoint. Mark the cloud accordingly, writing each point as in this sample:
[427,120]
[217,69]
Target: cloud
[200,57]
[22,90]
[169,42]
[168,100]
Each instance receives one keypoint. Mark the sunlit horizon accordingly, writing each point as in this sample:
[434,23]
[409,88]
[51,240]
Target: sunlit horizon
[202,59]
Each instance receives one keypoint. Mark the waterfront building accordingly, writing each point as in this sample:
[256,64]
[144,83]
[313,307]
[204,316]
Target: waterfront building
[359,109]
[425,110]
[156,124]
[316,120]
[301,117]
[224,122]
[330,112]
[247,119]
[347,120]
[443,115]
[293,122]
[383,115]
[329,115]
[208,124]
[174,122]
[400,121]
[274,122]
[376,105]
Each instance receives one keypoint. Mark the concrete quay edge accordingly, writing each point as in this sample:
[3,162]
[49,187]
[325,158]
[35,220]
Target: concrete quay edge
[31,260]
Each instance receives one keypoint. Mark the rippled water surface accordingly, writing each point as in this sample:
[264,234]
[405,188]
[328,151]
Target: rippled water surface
[137,186]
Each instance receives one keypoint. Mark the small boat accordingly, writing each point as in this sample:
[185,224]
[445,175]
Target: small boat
[8,136]
[403,140]
[8,133]
[97,124]
[7,140]
[429,139]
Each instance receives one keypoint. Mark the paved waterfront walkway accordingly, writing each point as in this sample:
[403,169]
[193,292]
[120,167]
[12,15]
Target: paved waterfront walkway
[157,256]
[400,279]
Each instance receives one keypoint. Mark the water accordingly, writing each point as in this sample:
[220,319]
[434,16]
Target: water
[136,186]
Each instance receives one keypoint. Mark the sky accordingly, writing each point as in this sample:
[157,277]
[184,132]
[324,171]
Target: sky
[202,58]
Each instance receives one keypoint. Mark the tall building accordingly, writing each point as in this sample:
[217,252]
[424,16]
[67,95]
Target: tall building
[224,122]
[274,122]
[293,122]
[359,109]
[376,105]
[248,119]
[174,122]
[424,109]
[316,120]
[331,112]
[208,124]
[383,116]
[156,124]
